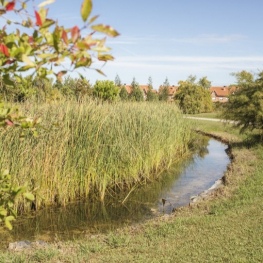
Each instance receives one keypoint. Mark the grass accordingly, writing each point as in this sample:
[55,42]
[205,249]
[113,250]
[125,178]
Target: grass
[93,149]
[215,115]
[227,227]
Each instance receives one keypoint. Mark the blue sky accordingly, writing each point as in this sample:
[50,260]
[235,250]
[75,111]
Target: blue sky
[175,38]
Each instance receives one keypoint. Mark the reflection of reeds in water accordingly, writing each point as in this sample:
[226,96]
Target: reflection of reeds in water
[93,150]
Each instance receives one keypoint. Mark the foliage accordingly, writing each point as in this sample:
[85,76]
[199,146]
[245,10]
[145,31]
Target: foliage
[105,90]
[42,46]
[136,93]
[218,218]
[193,98]
[39,49]
[8,196]
[243,77]
[152,96]
[94,148]
[204,82]
[164,91]
[118,81]
[74,88]
[124,95]
[150,83]
[245,106]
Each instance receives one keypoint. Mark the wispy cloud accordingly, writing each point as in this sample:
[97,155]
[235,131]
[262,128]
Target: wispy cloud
[189,63]
[210,39]
[193,59]
[199,39]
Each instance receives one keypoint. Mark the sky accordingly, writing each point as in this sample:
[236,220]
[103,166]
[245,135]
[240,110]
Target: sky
[174,38]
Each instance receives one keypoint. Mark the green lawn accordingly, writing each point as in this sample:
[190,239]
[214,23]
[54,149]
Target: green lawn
[227,227]
[206,115]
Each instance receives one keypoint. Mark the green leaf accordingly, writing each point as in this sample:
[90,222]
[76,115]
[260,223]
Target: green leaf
[3,212]
[28,61]
[48,23]
[105,57]
[8,81]
[86,8]
[7,222]
[101,72]
[108,30]
[93,19]
[29,196]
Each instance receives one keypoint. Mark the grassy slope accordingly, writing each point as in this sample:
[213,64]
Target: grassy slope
[226,228]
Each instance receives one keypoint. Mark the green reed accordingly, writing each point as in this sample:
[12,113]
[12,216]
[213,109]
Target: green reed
[93,149]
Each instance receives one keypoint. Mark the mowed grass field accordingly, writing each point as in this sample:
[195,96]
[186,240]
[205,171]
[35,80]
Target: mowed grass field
[226,227]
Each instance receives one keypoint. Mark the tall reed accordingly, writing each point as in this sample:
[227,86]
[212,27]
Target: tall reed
[93,149]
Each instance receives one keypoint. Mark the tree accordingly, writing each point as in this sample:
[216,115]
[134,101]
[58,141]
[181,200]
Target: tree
[245,105]
[164,90]
[118,81]
[152,96]
[205,83]
[150,83]
[124,95]
[193,98]
[243,77]
[42,45]
[136,93]
[106,90]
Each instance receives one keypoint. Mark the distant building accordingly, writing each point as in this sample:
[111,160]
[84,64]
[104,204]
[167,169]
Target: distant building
[221,94]
[218,93]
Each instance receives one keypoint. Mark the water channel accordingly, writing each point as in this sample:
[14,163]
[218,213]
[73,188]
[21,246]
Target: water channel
[176,186]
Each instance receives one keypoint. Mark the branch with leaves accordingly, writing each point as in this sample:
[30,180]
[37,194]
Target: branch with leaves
[42,46]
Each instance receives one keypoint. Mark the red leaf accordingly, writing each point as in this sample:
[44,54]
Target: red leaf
[4,50]
[9,61]
[65,36]
[38,18]
[10,6]
[31,40]
[74,33]
[9,123]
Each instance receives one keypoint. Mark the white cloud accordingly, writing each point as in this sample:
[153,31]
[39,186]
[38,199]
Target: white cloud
[210,39]
[189,59]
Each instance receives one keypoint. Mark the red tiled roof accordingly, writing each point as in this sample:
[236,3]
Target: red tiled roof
[220,91]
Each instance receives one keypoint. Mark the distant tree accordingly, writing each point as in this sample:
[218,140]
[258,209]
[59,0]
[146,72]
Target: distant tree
[152,96]
[164,90]
[124,95]
[118,81]
[204,82]
[193,98]
[105,90]
[245,106]
[243,78]
[191,78]
[136,93]
[150,83]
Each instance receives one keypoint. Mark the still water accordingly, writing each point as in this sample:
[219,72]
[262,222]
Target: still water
[176,186]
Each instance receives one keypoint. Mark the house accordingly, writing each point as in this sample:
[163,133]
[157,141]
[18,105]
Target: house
[221,94]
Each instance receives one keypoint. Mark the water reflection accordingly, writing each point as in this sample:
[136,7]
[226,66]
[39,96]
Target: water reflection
[176,186]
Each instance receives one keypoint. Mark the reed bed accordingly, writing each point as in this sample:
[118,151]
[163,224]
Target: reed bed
[92,149]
